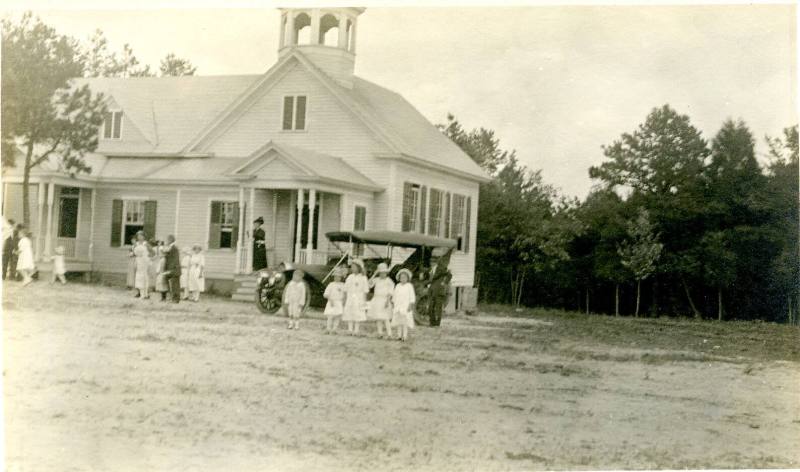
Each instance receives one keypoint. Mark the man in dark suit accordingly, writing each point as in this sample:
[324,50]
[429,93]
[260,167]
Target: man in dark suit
[10,252]
[439,289]
[172,269]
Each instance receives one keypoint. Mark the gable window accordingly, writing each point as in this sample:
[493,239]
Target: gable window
[129,217]
[112,125]
[435,212]
[223,232]
[460,224]
[294,113]
[360,218]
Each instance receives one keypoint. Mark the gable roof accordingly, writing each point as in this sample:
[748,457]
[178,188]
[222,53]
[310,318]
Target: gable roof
[179,115]
[313,164]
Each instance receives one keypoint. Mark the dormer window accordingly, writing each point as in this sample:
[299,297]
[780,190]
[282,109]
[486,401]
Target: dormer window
[112,125]
[294,113]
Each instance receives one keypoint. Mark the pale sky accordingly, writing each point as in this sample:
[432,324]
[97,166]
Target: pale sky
[554,82]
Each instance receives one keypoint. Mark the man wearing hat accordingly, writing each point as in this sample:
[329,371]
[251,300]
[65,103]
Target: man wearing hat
[439,289]
[259,245]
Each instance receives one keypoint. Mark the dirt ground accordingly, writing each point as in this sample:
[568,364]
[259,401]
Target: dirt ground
[96,380]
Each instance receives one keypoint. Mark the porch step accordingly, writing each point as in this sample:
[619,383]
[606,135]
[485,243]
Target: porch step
[244,287]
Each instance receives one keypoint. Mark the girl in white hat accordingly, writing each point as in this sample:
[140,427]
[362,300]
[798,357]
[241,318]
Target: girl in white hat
[334,293]
[380,307]
[404,301]
[355,297]
[197,269]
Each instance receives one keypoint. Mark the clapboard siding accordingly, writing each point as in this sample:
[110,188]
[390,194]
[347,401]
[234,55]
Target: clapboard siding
[461,264]
[330,128]
[283,235]
[193,228]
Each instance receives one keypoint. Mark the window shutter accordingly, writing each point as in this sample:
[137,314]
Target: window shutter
[150,218]
[108,123]
[214,228]
[407,216]
[116,223]
[235,235]
[446,215]
[423,205]
[117,124]
[288,109]
[466,225]
[300,119]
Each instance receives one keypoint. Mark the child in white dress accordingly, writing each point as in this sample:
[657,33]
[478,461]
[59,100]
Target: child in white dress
[334,293]
[380,307]
[355,297]
[404,301]
[59,269]
[197,269]
[294,298]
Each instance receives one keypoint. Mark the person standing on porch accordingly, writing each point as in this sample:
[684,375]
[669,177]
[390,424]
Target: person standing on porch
[172,269]
[259,245]
[141,253]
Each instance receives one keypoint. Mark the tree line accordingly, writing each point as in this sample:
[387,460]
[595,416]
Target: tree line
[43,115]
[674,225]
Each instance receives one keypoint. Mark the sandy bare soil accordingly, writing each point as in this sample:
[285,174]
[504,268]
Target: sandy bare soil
[95,380]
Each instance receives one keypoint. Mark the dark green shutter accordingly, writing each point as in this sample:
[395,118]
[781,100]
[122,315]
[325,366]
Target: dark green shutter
[300,119]
[288,112]
[407,216]
[446,215]
[423,200]
[235,235]
[150,219]
[215,228]
[116,223]
[466,225]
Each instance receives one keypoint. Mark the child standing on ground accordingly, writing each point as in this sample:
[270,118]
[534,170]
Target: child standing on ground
[59,268]
[380,307]
[404,301]
[355,297]
[197,278]
[161,277]
[294,298]
[334,293]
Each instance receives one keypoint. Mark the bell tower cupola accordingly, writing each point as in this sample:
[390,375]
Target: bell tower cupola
[327,36]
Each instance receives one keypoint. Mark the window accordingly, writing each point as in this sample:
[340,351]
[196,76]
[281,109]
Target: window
[294,113]
[411,205]
[223,232]
[435,212]
[112,125]
[460,221]
[130,216]
[360,218]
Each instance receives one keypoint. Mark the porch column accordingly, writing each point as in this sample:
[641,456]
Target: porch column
[312,202]
[48,242]
[240,235]
[40,197]
[91,225]
[298,226]
[274,221]
[315,18]
[343,31]
[249,262]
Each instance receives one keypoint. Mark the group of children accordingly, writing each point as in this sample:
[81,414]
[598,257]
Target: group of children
[392,305]
[146,269]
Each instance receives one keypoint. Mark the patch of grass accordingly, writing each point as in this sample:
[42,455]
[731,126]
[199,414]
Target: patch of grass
[525,456]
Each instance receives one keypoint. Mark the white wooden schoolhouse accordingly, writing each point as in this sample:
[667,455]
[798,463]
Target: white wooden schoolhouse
[307,145]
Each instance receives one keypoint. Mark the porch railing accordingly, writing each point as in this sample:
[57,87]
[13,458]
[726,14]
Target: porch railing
[315,256]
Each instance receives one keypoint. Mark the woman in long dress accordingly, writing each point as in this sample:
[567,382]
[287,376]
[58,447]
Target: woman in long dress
[141,254]
[197,280]
[25,263]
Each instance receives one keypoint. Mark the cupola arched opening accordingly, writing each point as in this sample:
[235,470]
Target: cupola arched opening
[329,31]
[302,28]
